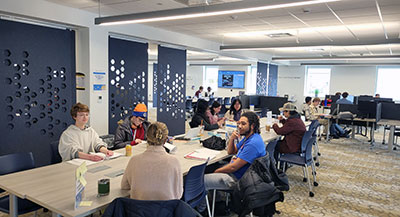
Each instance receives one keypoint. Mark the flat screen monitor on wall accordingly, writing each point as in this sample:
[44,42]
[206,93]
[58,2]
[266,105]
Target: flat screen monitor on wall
[231,79]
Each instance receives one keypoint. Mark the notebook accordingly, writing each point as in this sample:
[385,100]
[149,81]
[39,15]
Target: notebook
[202,154]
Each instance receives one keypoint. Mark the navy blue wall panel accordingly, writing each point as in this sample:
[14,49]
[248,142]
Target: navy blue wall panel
[128,66]
[171,89]
[273,80]
[37,72]
[262,78]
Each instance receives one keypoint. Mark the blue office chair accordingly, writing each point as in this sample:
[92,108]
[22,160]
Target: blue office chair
[55,155]
[144,208]
[227,101]
[194,188]
[271,149]
[304,159]
[12,163]
[211,101]
[314,127]
[232,98]
[219,99]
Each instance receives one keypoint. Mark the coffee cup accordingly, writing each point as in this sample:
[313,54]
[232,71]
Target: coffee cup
[103,187]
[268,128]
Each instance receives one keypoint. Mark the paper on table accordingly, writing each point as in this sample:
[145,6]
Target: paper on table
[86,203]
[202,154]
[78,162]
[115,155]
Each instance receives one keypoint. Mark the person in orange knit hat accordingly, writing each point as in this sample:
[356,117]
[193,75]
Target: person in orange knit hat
[133,130]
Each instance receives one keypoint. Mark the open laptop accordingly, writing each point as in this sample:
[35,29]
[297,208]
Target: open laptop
[192,133]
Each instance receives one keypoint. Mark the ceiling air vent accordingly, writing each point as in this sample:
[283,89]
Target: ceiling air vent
[279,35]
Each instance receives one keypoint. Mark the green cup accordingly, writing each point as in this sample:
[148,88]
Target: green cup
[103,187]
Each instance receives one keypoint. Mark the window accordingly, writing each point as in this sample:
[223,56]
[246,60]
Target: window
[317,81]
[388,82]
[210,78]
[251,80]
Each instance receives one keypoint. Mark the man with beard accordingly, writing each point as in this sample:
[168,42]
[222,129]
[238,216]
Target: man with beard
[245,152]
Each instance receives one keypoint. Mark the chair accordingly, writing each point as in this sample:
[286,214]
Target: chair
[194,188]
[143,208]
[304,159]
[271,149]
[219,99]
[12,163]
[314,127]
[55,155]
[227,101]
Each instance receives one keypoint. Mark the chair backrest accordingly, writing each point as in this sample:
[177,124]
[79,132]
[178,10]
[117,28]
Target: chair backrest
[314,126]
[194,189]
[308,153]
[211,101]
[219,99]
[227,101]
[55,155]
[305,140]
[12,163]
[143,208]
[188,104]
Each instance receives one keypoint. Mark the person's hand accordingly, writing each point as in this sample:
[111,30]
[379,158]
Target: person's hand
[221,123]
[93,157]
[280,117]
[109,153]
[235,135]
[275,124]
[137,141]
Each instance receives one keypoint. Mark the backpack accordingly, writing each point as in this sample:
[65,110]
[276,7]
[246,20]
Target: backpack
[215,143]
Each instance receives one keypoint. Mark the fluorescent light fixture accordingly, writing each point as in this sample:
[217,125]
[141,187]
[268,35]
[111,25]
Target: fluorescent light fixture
[377,57]
[201,11]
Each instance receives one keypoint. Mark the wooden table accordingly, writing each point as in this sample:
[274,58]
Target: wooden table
[53,186]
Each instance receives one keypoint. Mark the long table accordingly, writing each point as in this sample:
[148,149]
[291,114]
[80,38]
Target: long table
[53,186]
[392,124]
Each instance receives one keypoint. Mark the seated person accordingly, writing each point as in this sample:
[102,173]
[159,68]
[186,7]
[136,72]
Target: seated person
[78,140]
[245,152]
[317,115]
[235,111]
[293,129]
[201,118]
[133,130]
[306,108]
[344,100]
[212,113]
[154,174]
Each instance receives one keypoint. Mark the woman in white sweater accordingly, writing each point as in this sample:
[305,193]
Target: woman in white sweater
[154,174]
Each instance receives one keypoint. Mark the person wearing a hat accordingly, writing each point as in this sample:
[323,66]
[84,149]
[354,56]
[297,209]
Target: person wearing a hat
[293,129]
[133,130]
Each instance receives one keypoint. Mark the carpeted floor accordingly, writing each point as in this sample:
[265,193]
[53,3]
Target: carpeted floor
[354,180]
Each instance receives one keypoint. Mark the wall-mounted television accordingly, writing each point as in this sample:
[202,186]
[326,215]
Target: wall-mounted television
[231,79]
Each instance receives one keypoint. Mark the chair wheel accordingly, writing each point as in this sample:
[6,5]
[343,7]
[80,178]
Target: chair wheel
[319,154]
[315,158]
[311,194]
[304,179]
[317,164]
[394,148]
[315,183]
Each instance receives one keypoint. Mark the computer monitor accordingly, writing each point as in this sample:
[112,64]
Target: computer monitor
[348,108]
[245,101]
[383,99]
[272,103]
[255,100]
[390,111]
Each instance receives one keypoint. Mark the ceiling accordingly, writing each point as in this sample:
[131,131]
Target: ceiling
[345,22]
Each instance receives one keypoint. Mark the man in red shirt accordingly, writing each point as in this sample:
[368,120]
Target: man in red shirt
[133,130]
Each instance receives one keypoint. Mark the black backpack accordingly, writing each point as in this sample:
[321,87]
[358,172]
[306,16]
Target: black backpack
[215,143]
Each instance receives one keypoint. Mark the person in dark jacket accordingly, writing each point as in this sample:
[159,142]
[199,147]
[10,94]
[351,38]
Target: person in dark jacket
[133,130]
[293,129]
[200,117]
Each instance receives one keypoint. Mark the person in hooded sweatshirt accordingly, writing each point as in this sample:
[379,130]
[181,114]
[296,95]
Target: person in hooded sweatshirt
[293,129]
[134,128]
[79,139]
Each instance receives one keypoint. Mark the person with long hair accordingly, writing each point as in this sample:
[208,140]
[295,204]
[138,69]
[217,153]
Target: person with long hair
[212,113]
[201,118]
[235,111]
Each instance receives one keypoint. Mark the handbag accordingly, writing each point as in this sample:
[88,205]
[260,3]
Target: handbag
[215,143]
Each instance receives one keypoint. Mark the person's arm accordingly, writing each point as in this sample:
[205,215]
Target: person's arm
[119,139]
[232,149]
[125,185]
[232,167]
[90,157]
[68,147]
[284,130]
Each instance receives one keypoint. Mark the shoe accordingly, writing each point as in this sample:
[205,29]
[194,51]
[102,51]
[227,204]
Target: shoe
[347,133]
